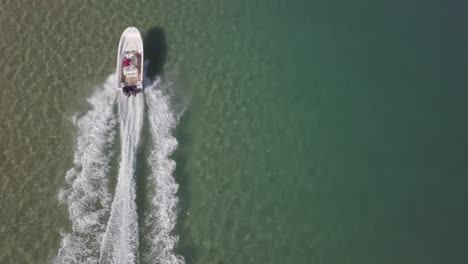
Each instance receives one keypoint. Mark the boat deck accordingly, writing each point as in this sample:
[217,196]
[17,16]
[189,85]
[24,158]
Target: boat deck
[130,80]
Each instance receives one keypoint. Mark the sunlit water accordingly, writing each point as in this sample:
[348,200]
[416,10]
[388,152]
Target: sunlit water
[316,132]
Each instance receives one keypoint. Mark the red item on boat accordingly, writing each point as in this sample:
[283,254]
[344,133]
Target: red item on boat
[126,62]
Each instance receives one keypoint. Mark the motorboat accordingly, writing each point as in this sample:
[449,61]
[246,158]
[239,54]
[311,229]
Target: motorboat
[130,62]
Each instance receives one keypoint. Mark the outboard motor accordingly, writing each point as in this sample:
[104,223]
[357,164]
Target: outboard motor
[130,90]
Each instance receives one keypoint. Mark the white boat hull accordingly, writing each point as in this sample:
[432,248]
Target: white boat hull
[130,64]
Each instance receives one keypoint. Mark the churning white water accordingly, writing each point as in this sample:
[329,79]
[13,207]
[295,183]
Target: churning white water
[120,242]
[87,195]
[162,217]
[105,230]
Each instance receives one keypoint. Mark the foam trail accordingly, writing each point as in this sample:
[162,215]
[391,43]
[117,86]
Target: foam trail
[161,220]
[87,196]
[120,242]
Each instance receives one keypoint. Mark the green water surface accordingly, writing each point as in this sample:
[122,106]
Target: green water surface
[317,131]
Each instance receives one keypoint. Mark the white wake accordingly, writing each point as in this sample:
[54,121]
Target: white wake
[120,242]
[161,219]
[88,197]
[105,230]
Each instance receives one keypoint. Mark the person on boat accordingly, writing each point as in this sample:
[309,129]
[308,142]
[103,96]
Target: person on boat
[126,62]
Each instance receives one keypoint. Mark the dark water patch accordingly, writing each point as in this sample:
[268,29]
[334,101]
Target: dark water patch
[114,162]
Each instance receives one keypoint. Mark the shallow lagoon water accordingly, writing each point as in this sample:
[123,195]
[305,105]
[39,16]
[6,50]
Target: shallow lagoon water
[316,132]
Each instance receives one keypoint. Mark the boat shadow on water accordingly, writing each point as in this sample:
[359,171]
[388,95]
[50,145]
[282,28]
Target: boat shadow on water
[155,46]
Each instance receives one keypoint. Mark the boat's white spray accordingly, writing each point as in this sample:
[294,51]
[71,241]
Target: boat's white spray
[120,242]
[94,239]
[161,219]
[87,196]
